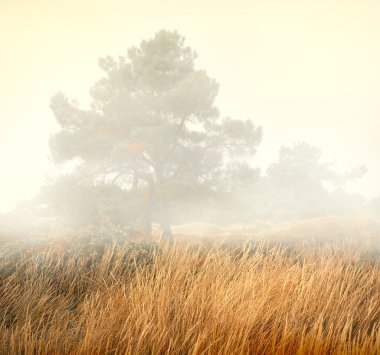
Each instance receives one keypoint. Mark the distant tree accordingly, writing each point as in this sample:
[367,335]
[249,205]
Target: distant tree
[301,166]
[299,180]
[152,125]
[373,207]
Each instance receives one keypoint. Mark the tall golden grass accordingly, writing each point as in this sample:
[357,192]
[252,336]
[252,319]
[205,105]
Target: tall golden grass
[189,298]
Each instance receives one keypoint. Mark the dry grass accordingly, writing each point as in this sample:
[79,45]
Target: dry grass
[189,298]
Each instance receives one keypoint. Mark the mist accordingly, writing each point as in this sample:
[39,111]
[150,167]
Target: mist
[291,115]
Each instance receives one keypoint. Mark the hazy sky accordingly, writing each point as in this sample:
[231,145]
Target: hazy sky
[303,70]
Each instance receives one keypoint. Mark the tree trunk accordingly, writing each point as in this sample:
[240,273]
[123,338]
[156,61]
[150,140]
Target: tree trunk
[163,208]
[166,230]
[148,210]
[147,224]
[166,233]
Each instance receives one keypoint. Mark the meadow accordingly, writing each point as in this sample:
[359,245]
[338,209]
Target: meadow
[90,295]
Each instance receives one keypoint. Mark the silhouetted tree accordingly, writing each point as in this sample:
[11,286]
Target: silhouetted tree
[299,181]
[373,207]
[152,124]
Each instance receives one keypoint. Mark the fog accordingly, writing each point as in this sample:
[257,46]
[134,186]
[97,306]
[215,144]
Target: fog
[227,114]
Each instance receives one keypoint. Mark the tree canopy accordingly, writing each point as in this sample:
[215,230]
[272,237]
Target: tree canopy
[152,126]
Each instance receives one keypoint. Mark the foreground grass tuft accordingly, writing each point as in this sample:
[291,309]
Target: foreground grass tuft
[189,298]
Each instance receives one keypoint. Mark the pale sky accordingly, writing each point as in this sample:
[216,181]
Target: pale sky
[303,70]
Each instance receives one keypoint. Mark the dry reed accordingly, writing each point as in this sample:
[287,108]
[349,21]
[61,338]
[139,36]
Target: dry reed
[188,298]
